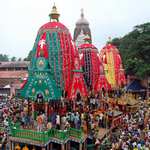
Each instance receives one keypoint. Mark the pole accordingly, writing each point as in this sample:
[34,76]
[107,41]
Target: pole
[28,106]
[148,88]
[33,110]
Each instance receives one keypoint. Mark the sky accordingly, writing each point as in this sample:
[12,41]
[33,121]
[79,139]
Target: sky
[21,19]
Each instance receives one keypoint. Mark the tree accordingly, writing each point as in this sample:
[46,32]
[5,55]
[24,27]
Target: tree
[13,58]
[135,50]
[4,57]
[19,59]
[28,58]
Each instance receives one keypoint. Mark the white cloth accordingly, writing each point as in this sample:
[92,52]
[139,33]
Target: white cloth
[58,119]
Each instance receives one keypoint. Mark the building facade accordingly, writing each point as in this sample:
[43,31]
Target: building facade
[11,74]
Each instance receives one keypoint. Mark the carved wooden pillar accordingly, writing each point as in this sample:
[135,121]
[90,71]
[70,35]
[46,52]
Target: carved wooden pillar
[43,148]
[10,145]
[68,145]
[48,146]
[62,146]
[46,109]
[51,146]
[80,146]
[33,109]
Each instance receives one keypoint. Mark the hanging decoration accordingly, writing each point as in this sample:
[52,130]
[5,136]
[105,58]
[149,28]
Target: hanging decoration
[102,82]
[40,80]
[113,66]
[78,85]
[91,65]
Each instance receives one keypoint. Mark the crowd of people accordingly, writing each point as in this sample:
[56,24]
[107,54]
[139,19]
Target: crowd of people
[76,115]
[79,115]
[134,133]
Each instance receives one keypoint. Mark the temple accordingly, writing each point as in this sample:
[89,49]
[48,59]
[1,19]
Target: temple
[81,30]
[60,97]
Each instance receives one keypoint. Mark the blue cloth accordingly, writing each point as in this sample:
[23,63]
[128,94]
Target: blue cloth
[135,86]
[53,118]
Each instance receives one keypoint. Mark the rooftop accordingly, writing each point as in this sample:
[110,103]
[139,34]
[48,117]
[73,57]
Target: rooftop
[14,64]
[13,74]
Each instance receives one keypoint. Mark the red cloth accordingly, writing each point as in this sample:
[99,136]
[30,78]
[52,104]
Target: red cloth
[23,83]
[63,111]
[42,47]
[119,72]
[78,84]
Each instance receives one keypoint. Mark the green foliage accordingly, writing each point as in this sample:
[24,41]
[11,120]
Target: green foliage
[135,50]
[13,58]
[19,59]
[28,58]
[4,57]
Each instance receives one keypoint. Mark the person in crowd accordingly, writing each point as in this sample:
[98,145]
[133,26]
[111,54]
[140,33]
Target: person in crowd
[39,123]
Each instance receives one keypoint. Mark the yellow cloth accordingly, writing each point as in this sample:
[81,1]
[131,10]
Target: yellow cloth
[25,109]
[110,69]
[17,147]
[25,148]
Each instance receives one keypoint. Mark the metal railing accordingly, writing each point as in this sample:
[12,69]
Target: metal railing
[44,136]
[75,133]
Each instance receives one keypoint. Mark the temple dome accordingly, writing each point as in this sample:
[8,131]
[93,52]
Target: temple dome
[82,21]
[82,28]
[54,22]
[87,46]
[53,25]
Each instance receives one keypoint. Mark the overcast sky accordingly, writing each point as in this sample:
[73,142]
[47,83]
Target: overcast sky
[21,19]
